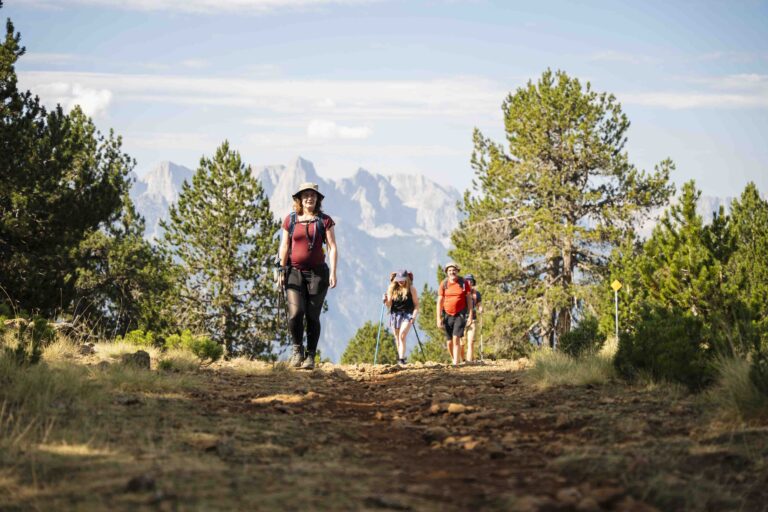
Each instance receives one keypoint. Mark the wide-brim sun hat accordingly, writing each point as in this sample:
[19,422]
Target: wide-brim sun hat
[308,185]
[452,264]
[401,276]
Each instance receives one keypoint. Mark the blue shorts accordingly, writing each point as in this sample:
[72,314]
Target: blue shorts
[396,319]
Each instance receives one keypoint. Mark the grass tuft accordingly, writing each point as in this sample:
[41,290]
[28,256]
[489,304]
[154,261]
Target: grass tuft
[551,368]
[107,351]
[62,349]
[735,396]
[179,360]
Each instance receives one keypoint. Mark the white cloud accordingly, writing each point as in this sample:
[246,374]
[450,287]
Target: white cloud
[318,129]
[674,100]
[202,6]
[195,63]
[93,101]
[51,58]
[355,102]
[326,103]
[729,91]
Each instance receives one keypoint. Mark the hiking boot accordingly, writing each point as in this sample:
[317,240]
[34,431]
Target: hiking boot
[297,356]
[309,361]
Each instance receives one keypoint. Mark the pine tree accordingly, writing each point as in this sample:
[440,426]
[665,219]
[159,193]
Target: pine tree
[124,282]
[544,216]
[362,347]
[748,268]
[61,181]
[222,233]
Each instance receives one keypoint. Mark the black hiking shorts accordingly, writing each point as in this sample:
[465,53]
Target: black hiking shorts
[454,324]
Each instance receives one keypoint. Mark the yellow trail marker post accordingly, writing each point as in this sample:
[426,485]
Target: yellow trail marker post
[616,285]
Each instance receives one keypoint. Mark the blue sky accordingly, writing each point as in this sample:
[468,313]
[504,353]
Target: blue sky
[398,85]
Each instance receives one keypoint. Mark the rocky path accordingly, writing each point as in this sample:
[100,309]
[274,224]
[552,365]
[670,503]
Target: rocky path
[419,438]
[478,437]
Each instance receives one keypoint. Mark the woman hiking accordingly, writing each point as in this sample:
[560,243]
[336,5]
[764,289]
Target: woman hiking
[303,270]
[403,303]
[454,309]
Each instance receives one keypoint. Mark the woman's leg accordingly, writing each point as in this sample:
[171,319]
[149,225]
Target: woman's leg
[396,333]
[314,307]
[295,294]
[401,346]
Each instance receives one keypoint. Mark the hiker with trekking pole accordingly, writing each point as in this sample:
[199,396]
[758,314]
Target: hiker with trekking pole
[402,299]
[303,271]
[454,309]
[468,340]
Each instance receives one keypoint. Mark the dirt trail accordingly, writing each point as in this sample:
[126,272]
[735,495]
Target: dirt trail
[419,438]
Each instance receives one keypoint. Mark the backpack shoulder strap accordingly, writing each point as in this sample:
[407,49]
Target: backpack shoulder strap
[320,226]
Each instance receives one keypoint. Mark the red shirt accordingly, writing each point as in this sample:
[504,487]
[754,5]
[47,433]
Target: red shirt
[298,249]
[454,297]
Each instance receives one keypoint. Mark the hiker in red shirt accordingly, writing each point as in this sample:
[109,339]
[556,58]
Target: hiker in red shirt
[304,273]
[454,309]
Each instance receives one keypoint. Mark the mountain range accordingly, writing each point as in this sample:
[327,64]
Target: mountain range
[383,223]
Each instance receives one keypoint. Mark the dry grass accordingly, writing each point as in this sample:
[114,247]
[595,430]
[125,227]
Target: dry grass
[734,396]
[551,368]
[108,351]
[247,366]
[62,349]
[179,360]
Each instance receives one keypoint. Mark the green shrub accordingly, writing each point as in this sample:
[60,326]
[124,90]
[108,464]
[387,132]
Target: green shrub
[585,338]
[202,346]
[206,349]
[175,341]
[362,347]
[667,346]
[140,338]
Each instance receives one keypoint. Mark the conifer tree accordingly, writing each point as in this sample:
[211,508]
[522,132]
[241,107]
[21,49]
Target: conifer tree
[222,234]
[748,267]
[124,282]
[61,180]
[362,347]
[544,215]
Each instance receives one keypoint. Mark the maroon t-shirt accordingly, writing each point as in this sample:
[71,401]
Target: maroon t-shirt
[303,232]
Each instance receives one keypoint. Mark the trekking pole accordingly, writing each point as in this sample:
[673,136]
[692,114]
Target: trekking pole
[378,334]
[481,335]
[421,347]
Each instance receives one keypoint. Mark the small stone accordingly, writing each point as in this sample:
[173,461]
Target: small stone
[86,350]
[607,495]
[127,400]
[570,496]
[140,483]
[435,434]
[588,504]
[139,359]
[454,408]
[495,451]
[471,445]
